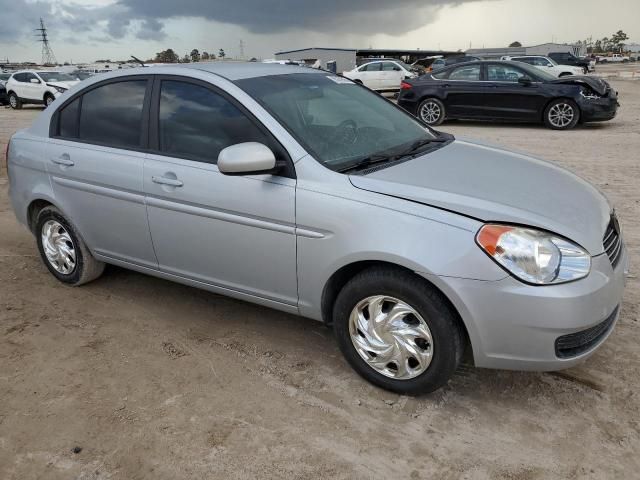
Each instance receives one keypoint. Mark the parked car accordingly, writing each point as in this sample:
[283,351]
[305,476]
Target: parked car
[440,63]
[382,76]
[303,191]
[81,75]
[565,58]
[548,65]
[508,91]
[4,99]
[614,58]
[37,87]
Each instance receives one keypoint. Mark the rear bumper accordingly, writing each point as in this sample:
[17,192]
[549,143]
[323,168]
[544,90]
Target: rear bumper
[515,326]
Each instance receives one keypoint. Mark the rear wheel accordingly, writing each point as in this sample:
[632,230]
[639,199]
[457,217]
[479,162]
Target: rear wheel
[561,114]
[63,251]
[431,111]
[14,101]
[397,331]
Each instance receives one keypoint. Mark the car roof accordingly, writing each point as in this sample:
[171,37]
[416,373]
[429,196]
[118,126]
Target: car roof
[240,70]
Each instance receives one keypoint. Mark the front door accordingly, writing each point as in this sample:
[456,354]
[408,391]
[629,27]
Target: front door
[233,232]
[95,165]
[510,99]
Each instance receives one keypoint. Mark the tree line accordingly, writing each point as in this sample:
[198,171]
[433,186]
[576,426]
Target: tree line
[170,56]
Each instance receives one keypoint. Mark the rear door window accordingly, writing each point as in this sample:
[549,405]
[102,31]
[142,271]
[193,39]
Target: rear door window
[111,114]
[467,73]
[68,126]
[504,73]
[372,67]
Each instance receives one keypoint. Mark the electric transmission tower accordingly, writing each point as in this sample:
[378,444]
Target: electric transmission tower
[48,58]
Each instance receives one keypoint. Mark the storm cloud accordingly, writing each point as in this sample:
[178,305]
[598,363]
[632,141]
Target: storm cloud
[144,18]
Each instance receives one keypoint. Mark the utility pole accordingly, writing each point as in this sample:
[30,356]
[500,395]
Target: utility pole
[48,58]
[241,50]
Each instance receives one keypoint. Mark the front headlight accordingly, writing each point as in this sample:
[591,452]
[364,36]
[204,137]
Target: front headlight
[589,94]
[534,256]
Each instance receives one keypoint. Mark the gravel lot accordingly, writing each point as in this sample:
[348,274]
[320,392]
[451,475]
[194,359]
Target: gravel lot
[152,379]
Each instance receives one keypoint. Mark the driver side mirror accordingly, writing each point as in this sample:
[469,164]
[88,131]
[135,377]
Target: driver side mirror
[526,81]
[34,80]
[249,158]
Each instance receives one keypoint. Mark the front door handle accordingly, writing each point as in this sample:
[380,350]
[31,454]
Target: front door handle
[174,182]
[63,159]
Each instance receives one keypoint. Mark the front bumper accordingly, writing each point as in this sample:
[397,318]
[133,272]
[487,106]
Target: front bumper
[601,109]
[514,326]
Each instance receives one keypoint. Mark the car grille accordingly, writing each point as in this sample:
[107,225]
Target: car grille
[612,241]
[577,343]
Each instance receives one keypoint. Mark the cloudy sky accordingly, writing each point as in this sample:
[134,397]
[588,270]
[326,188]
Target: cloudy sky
[85,30]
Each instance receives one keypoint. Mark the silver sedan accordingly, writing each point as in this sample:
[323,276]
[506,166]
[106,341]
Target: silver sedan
[303,191]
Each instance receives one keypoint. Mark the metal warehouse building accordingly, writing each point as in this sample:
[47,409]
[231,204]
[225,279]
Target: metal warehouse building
[544,49]
[348,58]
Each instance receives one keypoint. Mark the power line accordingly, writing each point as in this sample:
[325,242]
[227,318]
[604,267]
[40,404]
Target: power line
[48,57]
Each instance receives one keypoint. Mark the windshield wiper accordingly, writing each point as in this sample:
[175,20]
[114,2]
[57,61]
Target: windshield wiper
[380,158]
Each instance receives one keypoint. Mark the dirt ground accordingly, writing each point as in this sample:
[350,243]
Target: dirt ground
[154,380]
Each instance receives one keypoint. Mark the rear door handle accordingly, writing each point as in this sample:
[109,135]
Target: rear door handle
[63,159]
[174,182]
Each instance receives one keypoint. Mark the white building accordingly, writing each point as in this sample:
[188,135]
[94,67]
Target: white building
[543,49]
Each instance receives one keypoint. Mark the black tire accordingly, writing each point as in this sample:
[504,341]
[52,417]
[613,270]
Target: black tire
[431,111]
[14,101]
[48,99]
[86,267]
[448,339]
[553,121]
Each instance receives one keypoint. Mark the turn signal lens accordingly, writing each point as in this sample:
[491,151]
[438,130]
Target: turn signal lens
[534,256]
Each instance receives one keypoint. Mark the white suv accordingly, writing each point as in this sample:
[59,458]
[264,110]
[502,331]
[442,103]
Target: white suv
[548,65]
[39,87]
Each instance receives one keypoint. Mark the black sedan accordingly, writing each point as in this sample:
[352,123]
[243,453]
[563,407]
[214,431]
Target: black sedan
[4,99]
[507,91]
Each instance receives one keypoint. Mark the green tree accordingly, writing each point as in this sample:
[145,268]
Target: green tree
[221,54]
[617,40]
[195,55]
[204,56]
[186,58]
[515,44]
[166,56]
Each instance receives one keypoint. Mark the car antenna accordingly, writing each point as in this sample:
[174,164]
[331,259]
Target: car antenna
[138,60]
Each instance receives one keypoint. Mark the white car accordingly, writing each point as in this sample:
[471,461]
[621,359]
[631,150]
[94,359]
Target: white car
[548,65]
[614,58]
[37,87]
[381,75]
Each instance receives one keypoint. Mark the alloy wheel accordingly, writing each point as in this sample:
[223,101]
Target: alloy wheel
[391,337]
[430,112]
[13,101]
[561,115]
[58,247]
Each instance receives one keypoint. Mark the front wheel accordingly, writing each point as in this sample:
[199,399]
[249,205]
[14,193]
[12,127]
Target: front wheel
[48,99]
[431,111]
[14,101]
[561,114]
[397,331]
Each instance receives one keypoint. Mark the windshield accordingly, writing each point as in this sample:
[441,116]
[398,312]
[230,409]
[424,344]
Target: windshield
[339,122]
[56,77]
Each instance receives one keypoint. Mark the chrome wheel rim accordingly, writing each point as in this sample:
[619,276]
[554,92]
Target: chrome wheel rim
[391,337]
[58,247]
[561,115]
[430,112]
[13,101]
[49,101]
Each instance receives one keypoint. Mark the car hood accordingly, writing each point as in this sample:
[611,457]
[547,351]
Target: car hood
[495,185]
[596,84]
[66,85]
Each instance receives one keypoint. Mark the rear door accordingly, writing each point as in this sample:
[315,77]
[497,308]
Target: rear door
[236,233]
[95,162]
[391,76]
[465,92]
[509,99]
[372,75]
